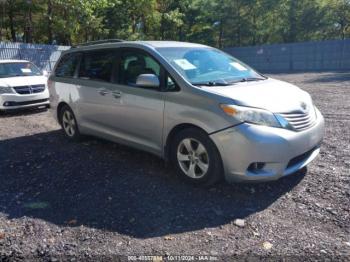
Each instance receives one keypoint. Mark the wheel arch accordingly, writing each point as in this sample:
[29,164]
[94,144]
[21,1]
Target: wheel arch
[59,108]
[172,134]
[168,157]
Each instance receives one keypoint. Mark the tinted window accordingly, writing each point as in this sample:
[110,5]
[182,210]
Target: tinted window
[97,65]
[135,63]
[67,65]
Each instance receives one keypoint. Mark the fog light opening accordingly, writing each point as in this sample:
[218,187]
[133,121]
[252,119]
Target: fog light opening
[256,167]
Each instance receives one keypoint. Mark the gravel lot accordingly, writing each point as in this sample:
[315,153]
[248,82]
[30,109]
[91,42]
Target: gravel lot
[97,199]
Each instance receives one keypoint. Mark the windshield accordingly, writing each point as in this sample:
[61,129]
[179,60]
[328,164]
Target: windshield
[18,69]
[208,66]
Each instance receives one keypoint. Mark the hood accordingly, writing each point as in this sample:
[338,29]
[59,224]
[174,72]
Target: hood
[23,81]
[273,95]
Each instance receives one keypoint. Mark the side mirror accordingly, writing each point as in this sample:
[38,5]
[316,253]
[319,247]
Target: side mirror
[147,80]
[45,73]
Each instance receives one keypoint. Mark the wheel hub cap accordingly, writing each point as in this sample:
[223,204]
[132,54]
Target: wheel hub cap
[68,123]
[193,158]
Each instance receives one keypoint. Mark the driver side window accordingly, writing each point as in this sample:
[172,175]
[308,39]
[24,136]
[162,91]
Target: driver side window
[134,64]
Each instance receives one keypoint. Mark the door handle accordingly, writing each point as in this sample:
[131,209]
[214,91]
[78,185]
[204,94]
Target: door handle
[103,92]
[117,94]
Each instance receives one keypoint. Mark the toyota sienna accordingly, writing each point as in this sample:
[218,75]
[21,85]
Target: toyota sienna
[206,112]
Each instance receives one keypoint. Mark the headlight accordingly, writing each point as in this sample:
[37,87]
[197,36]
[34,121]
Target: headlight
[5,89]
[251,115]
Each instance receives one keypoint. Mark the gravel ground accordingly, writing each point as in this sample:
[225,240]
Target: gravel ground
[96,199]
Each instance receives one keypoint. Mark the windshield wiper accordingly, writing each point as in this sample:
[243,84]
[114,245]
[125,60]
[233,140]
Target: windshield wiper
[7,76]
[251,79]
[211,83]
[226,83]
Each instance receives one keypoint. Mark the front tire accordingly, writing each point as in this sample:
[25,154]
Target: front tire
[195,157]
[69,123]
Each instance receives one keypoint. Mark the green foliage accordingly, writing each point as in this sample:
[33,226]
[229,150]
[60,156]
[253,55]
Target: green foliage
[215,22]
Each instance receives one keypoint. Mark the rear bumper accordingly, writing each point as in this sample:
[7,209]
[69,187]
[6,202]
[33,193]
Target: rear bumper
[279,152]
[17,101]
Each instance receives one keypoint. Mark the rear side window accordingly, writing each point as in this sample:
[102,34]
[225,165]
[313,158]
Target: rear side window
[67,65]
[97,65]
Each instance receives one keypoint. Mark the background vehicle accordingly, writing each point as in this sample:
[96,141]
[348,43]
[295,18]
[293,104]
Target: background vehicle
[22,85]
[206,112]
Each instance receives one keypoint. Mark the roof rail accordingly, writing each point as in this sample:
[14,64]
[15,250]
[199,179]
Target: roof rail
[98,42]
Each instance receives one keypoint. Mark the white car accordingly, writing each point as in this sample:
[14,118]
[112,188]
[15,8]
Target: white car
[22,85]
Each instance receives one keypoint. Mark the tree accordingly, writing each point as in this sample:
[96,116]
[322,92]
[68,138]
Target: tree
[214,22]
[340,10]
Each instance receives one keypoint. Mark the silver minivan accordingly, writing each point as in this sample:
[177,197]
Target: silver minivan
[204,111]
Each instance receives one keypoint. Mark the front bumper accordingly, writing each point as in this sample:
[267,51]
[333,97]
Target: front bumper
[17,101]
[279,152]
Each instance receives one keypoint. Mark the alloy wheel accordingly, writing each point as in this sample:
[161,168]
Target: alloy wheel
[193,158]
[68,123]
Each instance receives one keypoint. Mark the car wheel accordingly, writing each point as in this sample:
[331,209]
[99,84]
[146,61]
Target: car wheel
[196,157]
[69,123]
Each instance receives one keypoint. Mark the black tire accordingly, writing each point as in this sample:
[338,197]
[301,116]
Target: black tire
[214,172]
[76,136]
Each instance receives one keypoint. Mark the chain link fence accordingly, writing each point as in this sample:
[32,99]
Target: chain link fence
[43,56]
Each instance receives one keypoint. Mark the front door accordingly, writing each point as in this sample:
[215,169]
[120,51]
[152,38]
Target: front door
[142,108]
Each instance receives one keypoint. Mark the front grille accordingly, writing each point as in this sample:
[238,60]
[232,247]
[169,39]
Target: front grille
[300,121]
[32,89]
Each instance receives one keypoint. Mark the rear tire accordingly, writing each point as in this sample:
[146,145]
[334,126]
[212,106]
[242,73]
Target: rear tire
[196,158]
[69,123]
